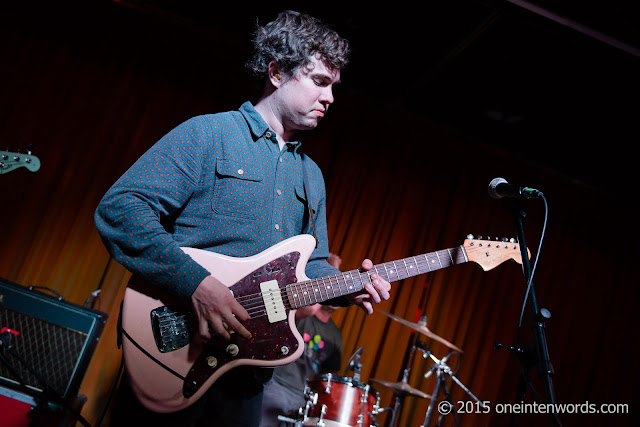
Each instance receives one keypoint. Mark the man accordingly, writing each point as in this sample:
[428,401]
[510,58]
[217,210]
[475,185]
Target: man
[284,394]
[235,183]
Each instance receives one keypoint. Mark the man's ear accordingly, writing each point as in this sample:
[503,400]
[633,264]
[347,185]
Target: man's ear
[275,77]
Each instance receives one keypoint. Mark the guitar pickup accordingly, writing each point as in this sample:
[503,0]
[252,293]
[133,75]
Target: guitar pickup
[170,328]
[273,301]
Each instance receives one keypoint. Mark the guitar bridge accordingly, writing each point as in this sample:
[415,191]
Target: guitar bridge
[170,328]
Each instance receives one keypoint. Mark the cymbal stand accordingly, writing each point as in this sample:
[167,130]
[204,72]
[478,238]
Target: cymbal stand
[441,370]
[406,370]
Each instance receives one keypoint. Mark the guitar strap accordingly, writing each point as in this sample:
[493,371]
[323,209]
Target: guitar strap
[305,179]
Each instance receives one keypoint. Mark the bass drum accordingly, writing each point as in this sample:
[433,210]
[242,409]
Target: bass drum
[340,401]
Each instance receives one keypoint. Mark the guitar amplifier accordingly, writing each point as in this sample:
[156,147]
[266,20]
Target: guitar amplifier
[46,343]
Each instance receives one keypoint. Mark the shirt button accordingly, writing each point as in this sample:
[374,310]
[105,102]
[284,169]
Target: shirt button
[268,134]
[277,227]
[240,171]
[279,192]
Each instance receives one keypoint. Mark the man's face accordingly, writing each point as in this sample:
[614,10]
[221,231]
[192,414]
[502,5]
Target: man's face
[304,98]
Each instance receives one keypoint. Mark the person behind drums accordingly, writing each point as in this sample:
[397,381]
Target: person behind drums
[284,393]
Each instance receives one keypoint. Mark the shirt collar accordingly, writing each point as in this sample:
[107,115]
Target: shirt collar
[258,126]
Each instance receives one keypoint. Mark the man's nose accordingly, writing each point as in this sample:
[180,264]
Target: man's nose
[327,96]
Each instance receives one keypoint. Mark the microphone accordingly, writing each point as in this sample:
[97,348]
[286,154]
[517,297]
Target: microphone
[499,188]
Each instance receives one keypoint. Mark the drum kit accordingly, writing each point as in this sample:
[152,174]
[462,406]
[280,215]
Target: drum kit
[338,401]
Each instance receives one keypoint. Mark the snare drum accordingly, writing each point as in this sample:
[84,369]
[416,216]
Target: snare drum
[340,401]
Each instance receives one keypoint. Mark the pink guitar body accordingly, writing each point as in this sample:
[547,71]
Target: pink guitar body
[169,370]
[272,344]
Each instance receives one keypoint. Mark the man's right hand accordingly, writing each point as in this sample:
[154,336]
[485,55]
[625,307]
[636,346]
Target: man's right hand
[215,307]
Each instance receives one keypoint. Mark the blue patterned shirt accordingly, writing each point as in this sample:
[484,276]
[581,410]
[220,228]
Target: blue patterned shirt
[217,182]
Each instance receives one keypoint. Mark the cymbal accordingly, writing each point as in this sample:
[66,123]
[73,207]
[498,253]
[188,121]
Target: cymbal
[422,328]
[402,388]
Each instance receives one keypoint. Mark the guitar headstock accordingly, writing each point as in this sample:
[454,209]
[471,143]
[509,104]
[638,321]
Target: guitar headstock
[10,161]
[491,253]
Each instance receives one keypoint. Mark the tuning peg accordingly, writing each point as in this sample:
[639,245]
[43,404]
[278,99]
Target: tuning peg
[470,236]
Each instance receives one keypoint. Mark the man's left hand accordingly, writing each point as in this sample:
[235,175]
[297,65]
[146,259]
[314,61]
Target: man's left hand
[373,293]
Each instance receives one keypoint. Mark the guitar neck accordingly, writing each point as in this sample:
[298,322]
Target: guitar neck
[315,291]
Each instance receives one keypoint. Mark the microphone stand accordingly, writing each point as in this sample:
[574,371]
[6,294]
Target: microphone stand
[538,317]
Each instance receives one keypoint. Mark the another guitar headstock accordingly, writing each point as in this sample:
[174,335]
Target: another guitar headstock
[10,161]
[491,253]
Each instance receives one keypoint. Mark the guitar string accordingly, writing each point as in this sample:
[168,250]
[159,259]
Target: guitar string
[390,268]
[416,262]
[254,303]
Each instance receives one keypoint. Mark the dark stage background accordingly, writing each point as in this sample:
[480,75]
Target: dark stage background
[92,85]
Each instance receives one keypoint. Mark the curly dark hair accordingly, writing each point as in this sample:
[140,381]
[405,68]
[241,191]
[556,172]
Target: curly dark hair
[290,40]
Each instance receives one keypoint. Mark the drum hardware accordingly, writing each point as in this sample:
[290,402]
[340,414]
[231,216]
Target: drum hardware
[421,327]
[442,370]
[333,400]
[354,364]
[402,388]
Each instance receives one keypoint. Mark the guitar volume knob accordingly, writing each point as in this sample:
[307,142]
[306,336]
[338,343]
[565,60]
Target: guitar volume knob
[212,361]
[233,350]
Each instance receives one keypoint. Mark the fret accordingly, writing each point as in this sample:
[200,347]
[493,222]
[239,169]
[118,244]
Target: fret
[449,252]
[331,288]
[306,299]
[329,285]
[291,295]
[362,283]
[375,269]
[302,294]
[415,265]
[317,290]
[406,269]
[392,271]
[346,284]
[464,254]
[354,285]
[386,271]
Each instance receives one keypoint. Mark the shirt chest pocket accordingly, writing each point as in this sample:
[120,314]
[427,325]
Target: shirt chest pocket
[239,189]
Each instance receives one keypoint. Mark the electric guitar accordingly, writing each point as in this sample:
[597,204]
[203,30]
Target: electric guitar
[10,161]
[169,371]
